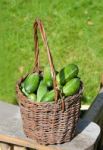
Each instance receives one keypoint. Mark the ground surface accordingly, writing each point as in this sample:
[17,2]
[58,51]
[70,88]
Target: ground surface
[75,35]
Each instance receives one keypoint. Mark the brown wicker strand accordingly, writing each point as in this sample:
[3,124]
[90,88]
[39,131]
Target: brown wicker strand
[39,25]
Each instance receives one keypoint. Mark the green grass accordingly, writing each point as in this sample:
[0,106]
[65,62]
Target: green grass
[75,35]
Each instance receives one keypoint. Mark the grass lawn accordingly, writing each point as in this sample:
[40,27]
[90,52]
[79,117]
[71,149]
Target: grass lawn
[75,35]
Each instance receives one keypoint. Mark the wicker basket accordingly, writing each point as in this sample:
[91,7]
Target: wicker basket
[45,122]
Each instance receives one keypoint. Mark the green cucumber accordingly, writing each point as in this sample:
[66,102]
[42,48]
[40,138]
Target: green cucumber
[24,92]
[49,96]
[47,76]
[42,90]
[67,73]
[32,97]
[71,87]
[31,83]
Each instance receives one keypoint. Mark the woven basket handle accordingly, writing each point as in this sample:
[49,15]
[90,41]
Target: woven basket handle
[39,25]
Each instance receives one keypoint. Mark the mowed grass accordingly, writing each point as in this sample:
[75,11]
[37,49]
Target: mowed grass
[75,35]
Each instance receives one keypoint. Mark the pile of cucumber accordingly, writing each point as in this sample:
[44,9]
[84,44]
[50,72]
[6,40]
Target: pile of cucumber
[40,88]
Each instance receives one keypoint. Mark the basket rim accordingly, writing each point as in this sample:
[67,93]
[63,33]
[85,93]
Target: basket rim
[44,103]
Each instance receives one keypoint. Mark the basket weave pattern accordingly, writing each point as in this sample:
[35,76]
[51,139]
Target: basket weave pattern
[48,122]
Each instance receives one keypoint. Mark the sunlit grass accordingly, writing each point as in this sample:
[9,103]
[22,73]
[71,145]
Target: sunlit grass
[75,35]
